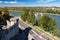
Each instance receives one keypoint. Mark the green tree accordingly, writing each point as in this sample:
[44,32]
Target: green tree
[31,17]
[52,24]
[24,16]
[28,16]
[48,24]
[50,11]
[43,22]
[57,12]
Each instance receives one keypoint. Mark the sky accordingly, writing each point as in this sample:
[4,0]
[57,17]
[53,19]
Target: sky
[29,3]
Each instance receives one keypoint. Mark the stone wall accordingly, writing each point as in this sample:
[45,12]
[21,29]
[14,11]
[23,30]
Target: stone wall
[12,28]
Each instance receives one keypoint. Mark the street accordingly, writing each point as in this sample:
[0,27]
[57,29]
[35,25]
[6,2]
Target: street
[34,34]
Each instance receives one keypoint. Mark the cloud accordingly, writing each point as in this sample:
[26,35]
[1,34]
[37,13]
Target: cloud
[44,1]
[1,1]
[50,0]
[12,2]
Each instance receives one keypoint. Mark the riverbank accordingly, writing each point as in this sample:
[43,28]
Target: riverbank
[53,14]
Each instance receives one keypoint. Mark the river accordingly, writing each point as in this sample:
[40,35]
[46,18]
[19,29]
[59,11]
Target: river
[16,13]
[57,18]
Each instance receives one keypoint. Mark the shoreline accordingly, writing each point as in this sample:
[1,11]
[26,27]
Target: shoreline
[55,14]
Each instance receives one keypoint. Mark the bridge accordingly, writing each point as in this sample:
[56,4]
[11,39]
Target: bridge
[33,34]
[28,33]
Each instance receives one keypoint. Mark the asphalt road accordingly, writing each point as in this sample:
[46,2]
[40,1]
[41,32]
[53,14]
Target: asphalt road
[35,35]
[29,33]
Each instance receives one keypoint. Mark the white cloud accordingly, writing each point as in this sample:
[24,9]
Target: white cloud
[10,2]
[44,1]
[0,1]
[50,0]
[13,2]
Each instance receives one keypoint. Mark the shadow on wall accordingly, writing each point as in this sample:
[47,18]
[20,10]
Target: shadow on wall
[22,35]
[4,22]
[10,31]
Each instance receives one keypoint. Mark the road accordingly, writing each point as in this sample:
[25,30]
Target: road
[34,33]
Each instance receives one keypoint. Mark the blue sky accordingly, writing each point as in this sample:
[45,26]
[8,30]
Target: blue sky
[29,3]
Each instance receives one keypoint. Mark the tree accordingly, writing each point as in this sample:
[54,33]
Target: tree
[53,27]
[28,16]
[57,12]
[48,24]
[43,22]
[24,16]
[50,11]
[52,24]
[31,17]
